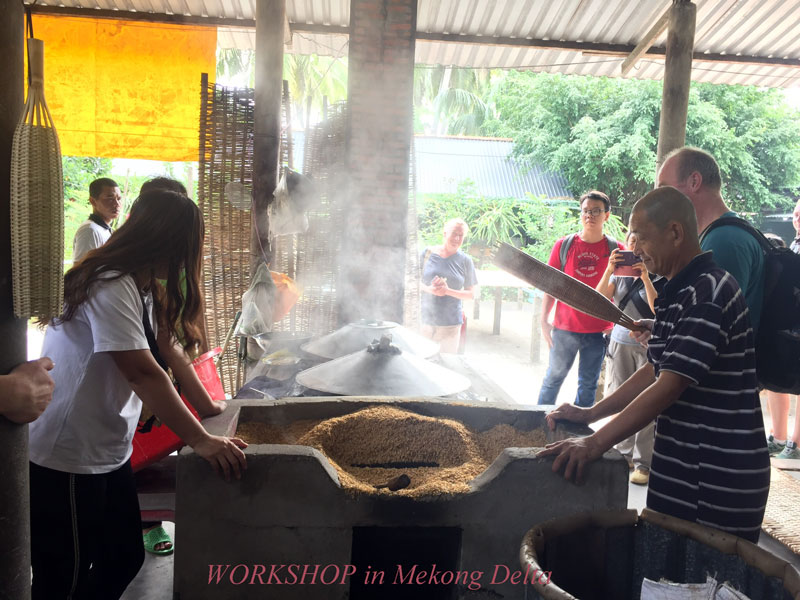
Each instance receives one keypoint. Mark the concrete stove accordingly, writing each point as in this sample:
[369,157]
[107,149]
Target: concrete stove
[288,529]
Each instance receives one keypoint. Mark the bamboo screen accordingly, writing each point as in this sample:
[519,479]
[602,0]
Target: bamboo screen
[226,155]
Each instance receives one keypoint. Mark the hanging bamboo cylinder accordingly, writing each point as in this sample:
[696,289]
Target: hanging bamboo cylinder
[37,203]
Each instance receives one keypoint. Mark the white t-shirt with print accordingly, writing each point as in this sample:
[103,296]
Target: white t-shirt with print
[89,425]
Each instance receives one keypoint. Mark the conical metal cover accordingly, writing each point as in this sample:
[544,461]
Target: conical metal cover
[357,336]
[382,370]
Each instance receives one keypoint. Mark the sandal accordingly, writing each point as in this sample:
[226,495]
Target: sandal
[154,537]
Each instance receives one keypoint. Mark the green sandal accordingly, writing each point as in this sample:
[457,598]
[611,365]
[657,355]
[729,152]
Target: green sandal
[154,537]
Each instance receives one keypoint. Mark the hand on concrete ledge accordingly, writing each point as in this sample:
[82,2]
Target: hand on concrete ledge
[224,454]
[573,454]
[568,412]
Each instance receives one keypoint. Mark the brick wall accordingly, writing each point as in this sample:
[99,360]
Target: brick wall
[380,80]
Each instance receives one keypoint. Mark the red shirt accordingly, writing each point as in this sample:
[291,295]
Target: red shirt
[587,263]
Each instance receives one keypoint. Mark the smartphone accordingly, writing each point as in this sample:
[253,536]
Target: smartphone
[624,267]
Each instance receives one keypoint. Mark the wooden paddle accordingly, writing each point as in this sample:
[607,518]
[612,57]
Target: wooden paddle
[561,286]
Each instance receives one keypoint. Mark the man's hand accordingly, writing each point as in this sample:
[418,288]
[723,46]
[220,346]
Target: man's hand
[547,334]
[439,285]
[573,454]
[26,391]
[568,412]
[643,336]
[224,454]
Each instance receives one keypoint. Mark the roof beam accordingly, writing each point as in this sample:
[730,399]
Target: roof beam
[148,17]
[646,42]
[620,50]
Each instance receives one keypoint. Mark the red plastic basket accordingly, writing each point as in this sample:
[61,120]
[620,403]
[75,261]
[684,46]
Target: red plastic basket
[160,441]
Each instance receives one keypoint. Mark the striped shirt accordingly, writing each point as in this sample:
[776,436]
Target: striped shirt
[710,460]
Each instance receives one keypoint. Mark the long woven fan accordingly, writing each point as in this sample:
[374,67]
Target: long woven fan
[560,286]
[37,202]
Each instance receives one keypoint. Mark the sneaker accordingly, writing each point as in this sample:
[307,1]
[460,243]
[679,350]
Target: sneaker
[773,446]
[640,476]
[790,452]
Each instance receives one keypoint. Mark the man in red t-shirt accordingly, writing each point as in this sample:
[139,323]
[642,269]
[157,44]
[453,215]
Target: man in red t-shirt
[573,332]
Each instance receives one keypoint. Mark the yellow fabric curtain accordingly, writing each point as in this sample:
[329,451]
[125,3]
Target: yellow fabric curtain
[125,89]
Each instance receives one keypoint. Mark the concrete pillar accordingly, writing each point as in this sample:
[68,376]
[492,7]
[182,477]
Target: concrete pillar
[270,23]
[677,78]
[380,89]
[15,557]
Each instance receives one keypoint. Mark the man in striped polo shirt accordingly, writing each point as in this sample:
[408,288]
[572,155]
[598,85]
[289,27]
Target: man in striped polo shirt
[710,461]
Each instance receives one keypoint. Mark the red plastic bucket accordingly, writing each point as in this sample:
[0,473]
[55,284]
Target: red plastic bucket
[208,374]
[160,441]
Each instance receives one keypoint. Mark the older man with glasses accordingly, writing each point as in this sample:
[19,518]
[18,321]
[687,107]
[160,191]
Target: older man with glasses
[583,256]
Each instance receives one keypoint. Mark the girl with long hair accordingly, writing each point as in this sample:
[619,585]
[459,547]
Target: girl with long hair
[118,318]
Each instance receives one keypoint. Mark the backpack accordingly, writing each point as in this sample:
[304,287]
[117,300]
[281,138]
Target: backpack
[778,337]
[565,245]
[640,303]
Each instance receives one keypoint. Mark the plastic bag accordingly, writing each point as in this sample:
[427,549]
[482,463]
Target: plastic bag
[258,304]
[286,294]
[284,216]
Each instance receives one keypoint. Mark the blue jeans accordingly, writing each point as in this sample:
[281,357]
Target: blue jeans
[566,345]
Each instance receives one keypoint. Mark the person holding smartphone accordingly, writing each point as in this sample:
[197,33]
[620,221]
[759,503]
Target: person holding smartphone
[627,283]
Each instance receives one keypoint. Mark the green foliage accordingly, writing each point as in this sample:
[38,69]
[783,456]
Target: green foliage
[533,224]
[602,134]
[311,78]
[452,100]
[80,171]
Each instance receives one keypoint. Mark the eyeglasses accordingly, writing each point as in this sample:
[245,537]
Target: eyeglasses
[593,212]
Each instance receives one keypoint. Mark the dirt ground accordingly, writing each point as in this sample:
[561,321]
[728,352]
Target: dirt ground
[505,358]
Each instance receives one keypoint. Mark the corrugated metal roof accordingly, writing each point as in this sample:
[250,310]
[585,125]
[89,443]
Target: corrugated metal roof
[761,28]
[442,163]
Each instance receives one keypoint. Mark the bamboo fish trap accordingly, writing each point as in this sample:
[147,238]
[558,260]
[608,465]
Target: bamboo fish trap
[560,286]
[37,203]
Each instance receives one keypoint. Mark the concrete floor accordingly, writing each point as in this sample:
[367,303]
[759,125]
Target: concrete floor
[506,360]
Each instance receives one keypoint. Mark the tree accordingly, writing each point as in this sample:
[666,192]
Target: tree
[311,78]
[451,100]
[602,133]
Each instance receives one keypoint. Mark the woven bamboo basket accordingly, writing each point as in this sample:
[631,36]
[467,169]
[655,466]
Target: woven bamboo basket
[37,204]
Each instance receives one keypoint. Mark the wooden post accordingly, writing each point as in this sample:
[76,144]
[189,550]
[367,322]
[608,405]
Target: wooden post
[15,556]
[498,309]
[536,329]
[677,78]
[270,19]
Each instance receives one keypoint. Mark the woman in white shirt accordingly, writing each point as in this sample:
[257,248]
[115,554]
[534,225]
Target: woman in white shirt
[110,347]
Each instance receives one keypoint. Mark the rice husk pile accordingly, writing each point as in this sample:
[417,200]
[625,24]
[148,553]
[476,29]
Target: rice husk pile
[357,443]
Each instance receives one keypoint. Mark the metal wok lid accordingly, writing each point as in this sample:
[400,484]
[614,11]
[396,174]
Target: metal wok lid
[382,369]
[357,336]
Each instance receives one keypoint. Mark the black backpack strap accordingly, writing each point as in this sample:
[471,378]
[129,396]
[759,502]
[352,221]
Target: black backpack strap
[612,244]
[643,306]
[564,250]
[151,337]
[765,244]
[635,286]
